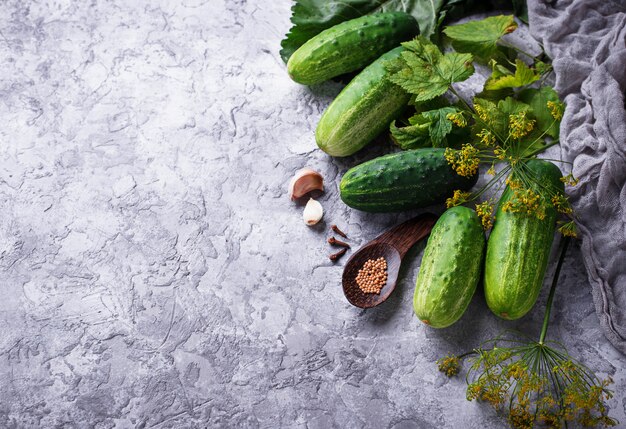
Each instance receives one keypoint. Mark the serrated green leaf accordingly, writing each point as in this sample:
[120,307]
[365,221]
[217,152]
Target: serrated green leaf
[425,72]
[413,136]
[523,76]
[311,17]
[440,126]
[510,106]
[480,37]
[426,129]
[538,101]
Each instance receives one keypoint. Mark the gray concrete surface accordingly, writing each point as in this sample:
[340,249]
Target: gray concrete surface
[154,273]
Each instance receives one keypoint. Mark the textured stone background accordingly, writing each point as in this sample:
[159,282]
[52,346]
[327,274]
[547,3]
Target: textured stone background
[154,272]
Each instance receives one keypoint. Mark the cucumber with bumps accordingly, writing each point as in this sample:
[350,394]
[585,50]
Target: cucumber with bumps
[519,248]
[349,46]
[450,268]
[362,110]
[402,181]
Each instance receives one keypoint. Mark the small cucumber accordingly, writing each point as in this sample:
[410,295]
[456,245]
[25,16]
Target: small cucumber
[349,46]
[519,248]
[450,268]
[402,181]
[362,110]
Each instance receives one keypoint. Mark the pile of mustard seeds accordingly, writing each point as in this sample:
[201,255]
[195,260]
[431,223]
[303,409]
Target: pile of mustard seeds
[373,276]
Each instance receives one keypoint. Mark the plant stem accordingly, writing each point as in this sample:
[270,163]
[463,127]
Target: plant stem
[541,149]
[461,99]
[508,45]
[546,318]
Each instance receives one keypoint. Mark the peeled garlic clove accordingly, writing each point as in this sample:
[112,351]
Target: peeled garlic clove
[305,181]
[313,212]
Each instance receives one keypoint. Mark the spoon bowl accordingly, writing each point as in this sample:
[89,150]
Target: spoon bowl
[391,245]
[351,289]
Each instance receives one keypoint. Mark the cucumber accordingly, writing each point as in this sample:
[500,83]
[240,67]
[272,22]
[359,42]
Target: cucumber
[362,110]
[450,269]
[519,248]
[349,46]
[402,181]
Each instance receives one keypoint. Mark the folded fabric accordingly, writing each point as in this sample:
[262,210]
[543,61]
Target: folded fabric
[586,40]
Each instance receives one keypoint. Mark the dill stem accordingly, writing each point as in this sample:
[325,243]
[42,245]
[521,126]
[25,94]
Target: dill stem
[515,48]
[546,318]
[542,148]
[461,99]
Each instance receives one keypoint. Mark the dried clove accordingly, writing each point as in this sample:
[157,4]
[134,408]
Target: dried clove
[335,242]
[338,231]
[336,256]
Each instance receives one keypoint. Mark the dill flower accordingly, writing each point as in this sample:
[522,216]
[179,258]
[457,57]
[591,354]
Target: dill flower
[484,210]
[561,203]
[449,365]
[556,109]
[486,137]
[482,113]
[492,170]
[459,197]
[568,229]
[465,161]
[524,200]
[457,119]
[553,392]
[499,153]
[512,183]
[569,180]
[536,382]
[520,125]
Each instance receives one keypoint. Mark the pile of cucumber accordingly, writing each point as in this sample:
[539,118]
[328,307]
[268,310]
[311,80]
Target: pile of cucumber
[511,264]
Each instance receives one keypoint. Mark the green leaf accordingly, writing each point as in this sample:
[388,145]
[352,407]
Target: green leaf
[491,117]
[411,137]
[538,101]
[495,117]
[422,70]
[440,126]
[510,106]
[480,37]
[311,17]
[426,129]
[523,76]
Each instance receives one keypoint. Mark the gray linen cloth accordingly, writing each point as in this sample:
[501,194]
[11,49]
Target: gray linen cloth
[587,41]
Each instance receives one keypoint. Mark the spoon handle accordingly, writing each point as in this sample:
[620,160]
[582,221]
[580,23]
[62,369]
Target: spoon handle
[405,235]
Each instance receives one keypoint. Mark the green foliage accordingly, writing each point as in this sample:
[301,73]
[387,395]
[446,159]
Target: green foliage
[440,125]
[412,136]
[425,72]
[311,17]
[429,128]
[480,37]
[501,78]
[538,100]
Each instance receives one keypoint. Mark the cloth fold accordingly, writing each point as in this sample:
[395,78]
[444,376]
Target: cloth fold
[587,41]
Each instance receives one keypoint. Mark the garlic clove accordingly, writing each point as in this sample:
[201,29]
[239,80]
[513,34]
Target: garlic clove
[313,212]
[305,181]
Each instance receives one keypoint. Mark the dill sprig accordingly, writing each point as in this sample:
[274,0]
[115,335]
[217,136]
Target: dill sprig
[534,382]
[506,142]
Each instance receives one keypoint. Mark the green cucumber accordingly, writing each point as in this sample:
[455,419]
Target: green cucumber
[363,110]
[450,269]
[350,46]
[402,181]
[519,247]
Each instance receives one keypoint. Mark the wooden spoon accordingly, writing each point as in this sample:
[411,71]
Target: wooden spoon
[391,245]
